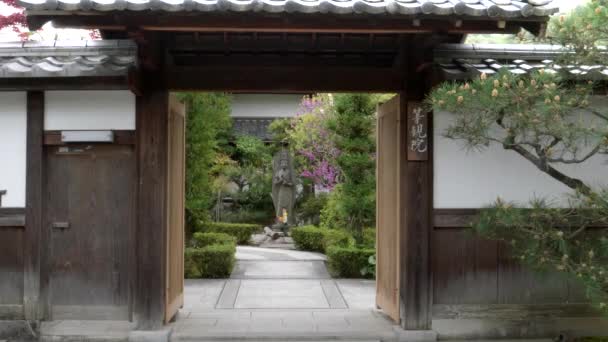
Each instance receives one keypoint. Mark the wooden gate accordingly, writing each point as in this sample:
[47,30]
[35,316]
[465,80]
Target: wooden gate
[176,193]
[388,216]
[89,223]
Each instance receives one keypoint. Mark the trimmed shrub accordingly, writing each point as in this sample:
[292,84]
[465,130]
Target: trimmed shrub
[369,237]
[308,238]
[315,239]
[213,261]
[206,239]
[348,262]
[337,237]
[241,231]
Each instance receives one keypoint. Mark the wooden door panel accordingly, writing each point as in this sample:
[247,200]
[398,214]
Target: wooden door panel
[176,193]
[387,202]
[90,203]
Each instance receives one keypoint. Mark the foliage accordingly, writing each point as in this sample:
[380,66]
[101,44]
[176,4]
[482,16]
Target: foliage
[201,239]
[207,127]
[251,172]
[240,231]
[212,255]
[583,32]
[312,143]
[369,237]
[370,268]
[353,126]
[243,215]
[15,21]
[349,262]
[310,208]
[333,214]
[537,116]
[553,239]
[213,261]
[315,239]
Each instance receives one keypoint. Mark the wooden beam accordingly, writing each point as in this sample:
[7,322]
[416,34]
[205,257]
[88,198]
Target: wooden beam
[285,79]
[33,287]
[64,83]
[152,144]
[268,22]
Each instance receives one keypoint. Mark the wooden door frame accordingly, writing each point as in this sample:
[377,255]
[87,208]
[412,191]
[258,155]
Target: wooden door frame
[152,105]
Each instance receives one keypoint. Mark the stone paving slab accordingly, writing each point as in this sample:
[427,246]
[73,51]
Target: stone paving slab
[286,325]
[280,270]
[358,293]
[281,294]
[274,254]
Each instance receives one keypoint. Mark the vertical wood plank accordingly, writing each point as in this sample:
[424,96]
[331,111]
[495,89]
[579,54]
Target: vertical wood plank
[388,213]
[152,149]
[33,307]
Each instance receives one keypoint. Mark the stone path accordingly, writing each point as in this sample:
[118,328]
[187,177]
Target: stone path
[280,295]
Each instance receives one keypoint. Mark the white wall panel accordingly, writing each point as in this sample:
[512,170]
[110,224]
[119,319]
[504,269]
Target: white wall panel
[89,110]
[265,105]
[474,179]
[13,137]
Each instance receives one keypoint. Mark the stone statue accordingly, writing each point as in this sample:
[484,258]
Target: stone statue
[283,187]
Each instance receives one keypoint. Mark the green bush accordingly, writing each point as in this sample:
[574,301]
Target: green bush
[308,238]
[206,239]
[241,231]
[315,239]
[349,262]
[213,261]
[243,215]
[212,255]
[369,237]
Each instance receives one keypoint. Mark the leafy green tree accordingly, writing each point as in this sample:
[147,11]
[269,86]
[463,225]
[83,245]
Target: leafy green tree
[208,126]
[548,119]
[353,125]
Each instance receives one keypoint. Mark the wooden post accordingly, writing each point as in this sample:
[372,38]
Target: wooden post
[32,302]
[416,194]
[152,138]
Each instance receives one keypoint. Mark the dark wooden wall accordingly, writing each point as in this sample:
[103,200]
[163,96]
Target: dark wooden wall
[11,263]
[473,277]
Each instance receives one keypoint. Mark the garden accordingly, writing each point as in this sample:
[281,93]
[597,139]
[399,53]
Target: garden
[230,180]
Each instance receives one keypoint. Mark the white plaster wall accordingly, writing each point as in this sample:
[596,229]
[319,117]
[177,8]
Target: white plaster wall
[474,179]
[89,110]
[13,137]
[265,105]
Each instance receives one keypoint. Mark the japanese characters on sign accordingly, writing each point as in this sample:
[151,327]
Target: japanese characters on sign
[418,139]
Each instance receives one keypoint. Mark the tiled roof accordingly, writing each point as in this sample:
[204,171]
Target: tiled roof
[476,8]
[115,57]
[464,61]
[66,59]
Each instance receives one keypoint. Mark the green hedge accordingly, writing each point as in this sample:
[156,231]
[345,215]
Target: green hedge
[241,231]
[315,239]
[347,262]
[212,256]
[369,237]
[206,239]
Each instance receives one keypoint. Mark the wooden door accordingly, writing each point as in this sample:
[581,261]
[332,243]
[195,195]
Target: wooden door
[388,215]
[176,193]
[89,216]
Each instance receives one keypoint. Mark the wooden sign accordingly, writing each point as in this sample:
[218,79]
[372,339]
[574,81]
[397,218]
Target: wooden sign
[417,132]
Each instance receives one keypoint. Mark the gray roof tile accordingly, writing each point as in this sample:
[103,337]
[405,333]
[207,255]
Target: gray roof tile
[66,59]
[463,61]
[477,8]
